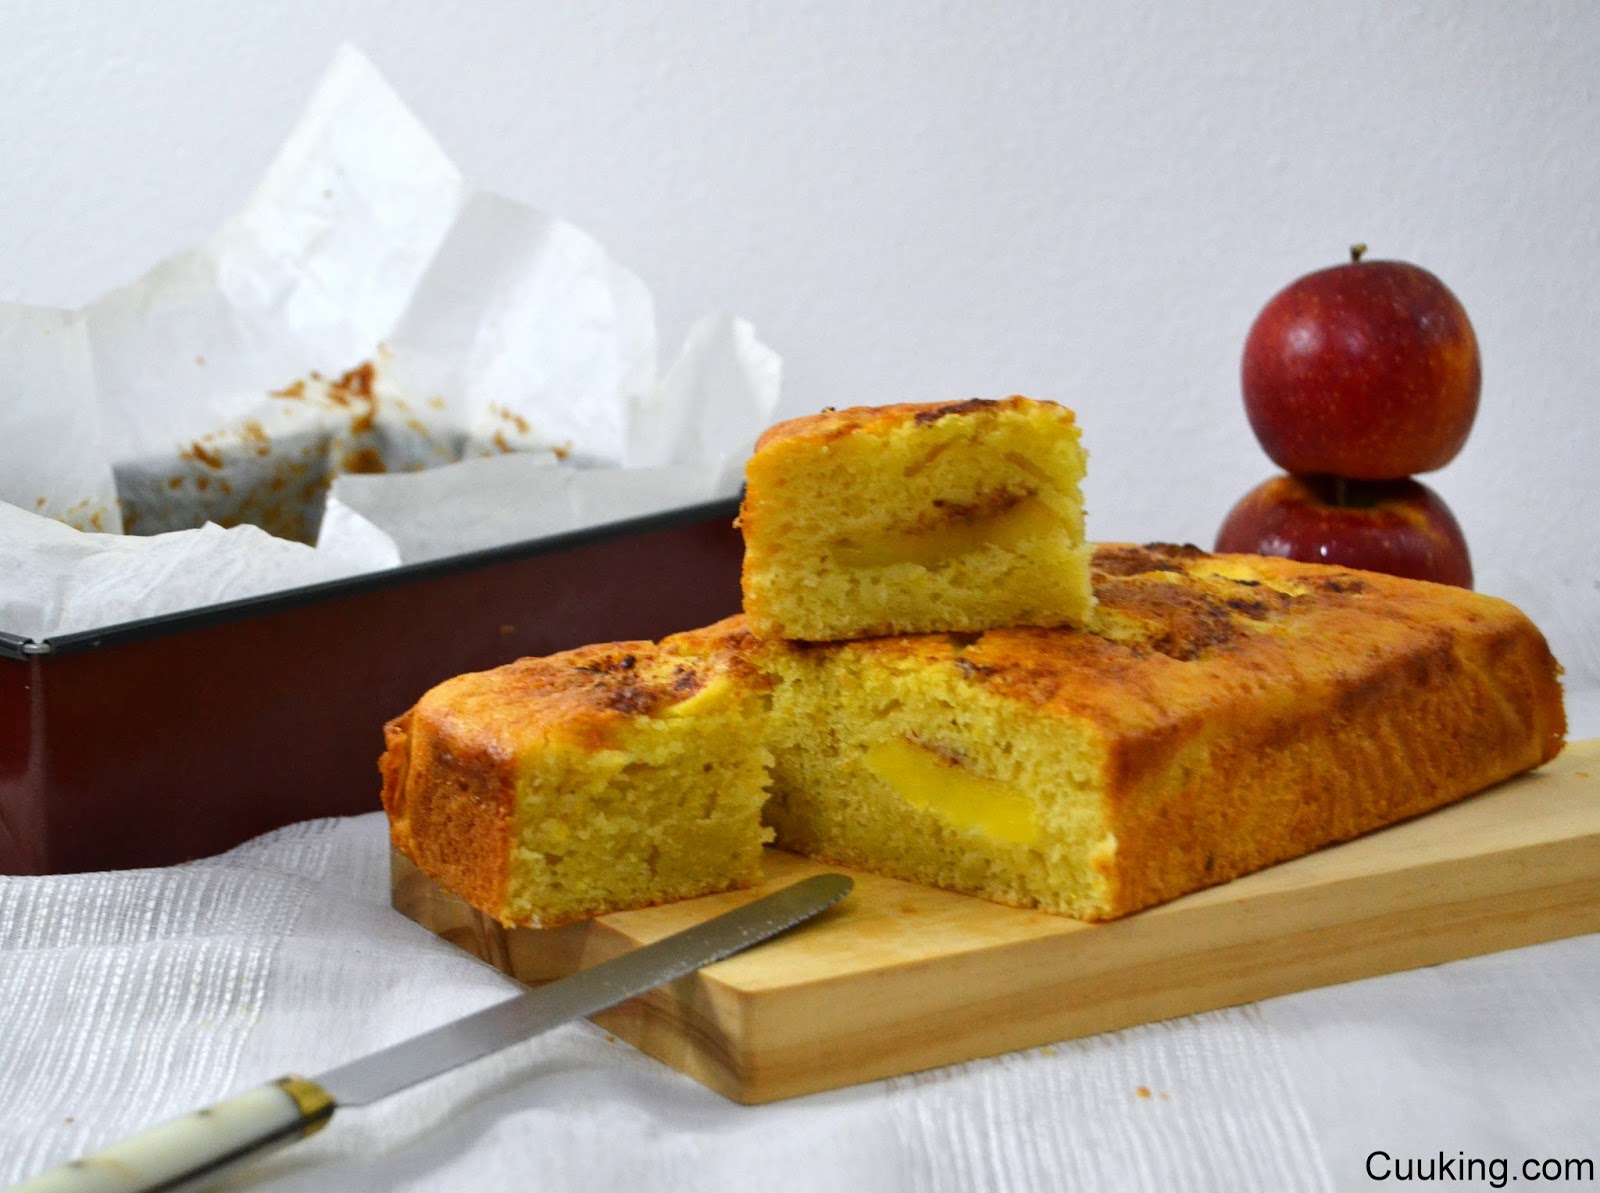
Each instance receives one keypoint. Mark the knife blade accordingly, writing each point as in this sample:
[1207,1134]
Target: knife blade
[189,1151]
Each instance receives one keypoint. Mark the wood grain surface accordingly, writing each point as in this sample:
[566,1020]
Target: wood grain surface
[901,977]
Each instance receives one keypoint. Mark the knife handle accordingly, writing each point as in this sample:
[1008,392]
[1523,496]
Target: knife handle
[189,1151]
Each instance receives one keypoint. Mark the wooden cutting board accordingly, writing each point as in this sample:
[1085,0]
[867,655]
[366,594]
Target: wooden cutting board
[901,977]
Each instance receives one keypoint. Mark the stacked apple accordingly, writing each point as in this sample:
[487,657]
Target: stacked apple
[1355,379]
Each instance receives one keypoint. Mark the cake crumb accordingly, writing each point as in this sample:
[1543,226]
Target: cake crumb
[204,455]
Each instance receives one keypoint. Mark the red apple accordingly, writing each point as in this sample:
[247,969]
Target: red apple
[1400,527]
[1367,370]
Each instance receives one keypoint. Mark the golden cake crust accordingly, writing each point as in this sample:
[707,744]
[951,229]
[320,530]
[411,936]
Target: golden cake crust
[835,424]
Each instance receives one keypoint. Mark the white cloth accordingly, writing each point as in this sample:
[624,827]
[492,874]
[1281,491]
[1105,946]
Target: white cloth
[126,998]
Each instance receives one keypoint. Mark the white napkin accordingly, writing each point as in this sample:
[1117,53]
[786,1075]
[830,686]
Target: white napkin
[139,996]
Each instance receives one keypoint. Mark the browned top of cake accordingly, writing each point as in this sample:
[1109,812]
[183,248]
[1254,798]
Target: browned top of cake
[727,644]
[835,424]
[579,696]
[1181,635]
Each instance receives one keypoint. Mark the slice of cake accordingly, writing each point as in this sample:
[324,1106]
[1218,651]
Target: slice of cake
[1225,713]
[914,518]
[555,789]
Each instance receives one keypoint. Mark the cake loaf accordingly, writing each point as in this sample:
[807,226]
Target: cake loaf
[1220,714]
[1224,713]
[913,518]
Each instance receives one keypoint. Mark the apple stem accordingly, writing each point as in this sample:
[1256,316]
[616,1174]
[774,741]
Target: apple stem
[1339,497]
[1355,252]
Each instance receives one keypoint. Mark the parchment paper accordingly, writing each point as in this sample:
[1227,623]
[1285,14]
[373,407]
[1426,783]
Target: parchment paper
[456,368]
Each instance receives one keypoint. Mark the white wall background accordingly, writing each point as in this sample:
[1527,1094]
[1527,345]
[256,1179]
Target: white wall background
[919,201]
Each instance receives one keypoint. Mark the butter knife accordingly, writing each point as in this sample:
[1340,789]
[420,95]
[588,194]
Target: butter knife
[190,1151]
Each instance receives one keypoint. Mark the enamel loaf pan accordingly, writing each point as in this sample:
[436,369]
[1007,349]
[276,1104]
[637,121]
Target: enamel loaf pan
[173,738]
